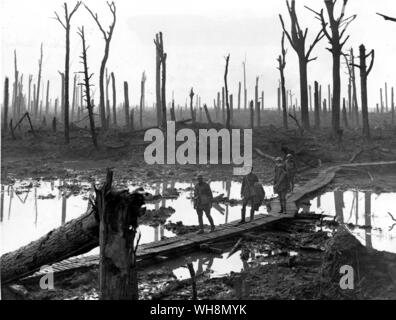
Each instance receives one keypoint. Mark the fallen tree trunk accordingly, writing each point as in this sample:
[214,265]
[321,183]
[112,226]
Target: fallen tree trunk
[76,237]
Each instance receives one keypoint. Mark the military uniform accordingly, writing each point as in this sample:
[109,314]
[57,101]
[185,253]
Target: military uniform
[248,193]
[281,184]
[203,198]
[291,170]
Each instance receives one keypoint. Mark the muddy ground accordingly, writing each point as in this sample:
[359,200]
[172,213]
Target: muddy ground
[295,254]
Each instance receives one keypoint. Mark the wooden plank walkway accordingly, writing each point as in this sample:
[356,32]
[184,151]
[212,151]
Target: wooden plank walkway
[182,244]
[192,241]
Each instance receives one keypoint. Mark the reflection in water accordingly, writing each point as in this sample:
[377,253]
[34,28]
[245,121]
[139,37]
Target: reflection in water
[367,218]
[368,214]
[2,204]
[339,205]
[54,203]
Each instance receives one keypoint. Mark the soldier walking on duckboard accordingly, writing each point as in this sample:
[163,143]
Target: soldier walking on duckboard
[203,199]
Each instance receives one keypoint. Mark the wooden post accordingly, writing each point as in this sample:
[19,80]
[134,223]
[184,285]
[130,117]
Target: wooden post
[126,104]
[118,221]
[5,104]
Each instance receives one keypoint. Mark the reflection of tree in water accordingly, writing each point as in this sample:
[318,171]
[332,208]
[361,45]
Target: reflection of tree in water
[339,205]
[367,218]
[10,192]
[2,204]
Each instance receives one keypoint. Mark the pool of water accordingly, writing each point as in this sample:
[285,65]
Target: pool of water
[368,215]
[30,208]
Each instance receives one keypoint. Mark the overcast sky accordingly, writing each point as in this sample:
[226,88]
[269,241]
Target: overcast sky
[197,37]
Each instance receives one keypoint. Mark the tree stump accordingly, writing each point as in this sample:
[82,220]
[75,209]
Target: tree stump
[118,215]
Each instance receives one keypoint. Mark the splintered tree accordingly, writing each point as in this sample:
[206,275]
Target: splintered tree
[142,98]
[281,68]
[364,72]
[86,80]
[161,55]
[338,27]
[191,105]
[297,38]
[36,106]
[66,25]
[228,122]
[107,35]
[5,104]
[114,99]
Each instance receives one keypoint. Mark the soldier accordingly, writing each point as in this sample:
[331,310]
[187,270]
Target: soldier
[203,198]
[281,183]
[248,193]
[291,169]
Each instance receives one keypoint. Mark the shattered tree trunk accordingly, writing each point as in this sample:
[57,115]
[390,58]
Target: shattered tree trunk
[317,105]
[5,104]
[53,247]
[228,122]
[191,106]
[126,104]
[282,65]
[114,99]
[364,72]
[118,213]
[393,105]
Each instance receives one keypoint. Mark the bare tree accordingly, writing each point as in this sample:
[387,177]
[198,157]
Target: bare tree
[297,38]
[114,99]
[66,25]
[387,17]
[281,68]
[228,122]
[364,72]
[161,55]
[39,80]
[142,97]
[87,78]
[338,27]
[107,35]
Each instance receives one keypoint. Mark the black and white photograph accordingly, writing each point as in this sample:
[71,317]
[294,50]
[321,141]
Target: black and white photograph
[209,152]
